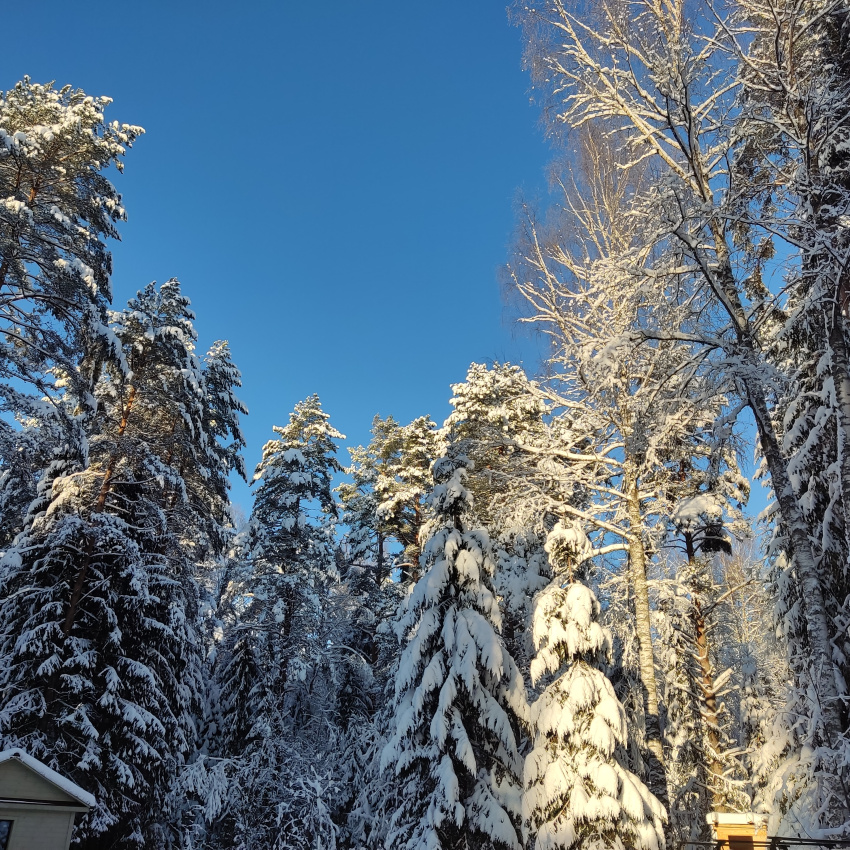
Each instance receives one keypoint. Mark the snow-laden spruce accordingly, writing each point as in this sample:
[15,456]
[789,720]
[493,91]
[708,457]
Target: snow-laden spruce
[100,656]
[272,607]
[453,748]
[279,676]
[578,794]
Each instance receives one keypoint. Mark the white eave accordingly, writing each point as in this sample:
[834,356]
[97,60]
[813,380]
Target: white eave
[70,788]
[735,818]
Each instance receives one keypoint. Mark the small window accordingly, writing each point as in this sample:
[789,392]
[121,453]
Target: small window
[736,842]
[5,832]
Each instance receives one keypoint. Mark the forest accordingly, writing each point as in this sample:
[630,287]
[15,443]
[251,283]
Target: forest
[547,622]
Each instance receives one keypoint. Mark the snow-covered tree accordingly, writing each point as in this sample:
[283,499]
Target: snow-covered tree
[704,766]
[795,118]
[225,440]
[371,470]
[578,793]
[275,594]
[671,94]
[294,479]
[637,423]
[100,650]
[452,749]
[402,494]
[57,212]
[24,454]
[278,672]
[390,479]
[522,568]
[492,410]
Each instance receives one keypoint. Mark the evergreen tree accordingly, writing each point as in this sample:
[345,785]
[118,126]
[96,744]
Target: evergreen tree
[101,656]
[371,469]
[277,672]
[275,596]
[494,410]
[57,212]
[391,478]
[577,791]
[452,747]
[705,773]
[402,493]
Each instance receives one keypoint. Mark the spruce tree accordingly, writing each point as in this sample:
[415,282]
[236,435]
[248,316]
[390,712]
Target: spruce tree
[458,693]
[100,650]
[276,669]
[577,791]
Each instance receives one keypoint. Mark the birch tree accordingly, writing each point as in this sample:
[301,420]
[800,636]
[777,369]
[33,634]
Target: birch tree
[667,87]
[637,427]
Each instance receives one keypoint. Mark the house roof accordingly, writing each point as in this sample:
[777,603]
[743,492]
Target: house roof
[735,818]
[63,784]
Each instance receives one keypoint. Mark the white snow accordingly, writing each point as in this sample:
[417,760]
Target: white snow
[54,778]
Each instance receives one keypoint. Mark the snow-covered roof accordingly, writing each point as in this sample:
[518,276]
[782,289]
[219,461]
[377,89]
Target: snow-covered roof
[63,784]
[735,818]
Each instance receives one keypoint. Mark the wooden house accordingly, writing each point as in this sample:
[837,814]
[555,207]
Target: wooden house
[37,804]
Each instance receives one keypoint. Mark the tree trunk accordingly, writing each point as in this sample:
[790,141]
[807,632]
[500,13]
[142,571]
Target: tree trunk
[708,697]
[100,504]
[821,668]
[841,379]
[811,593]
[637,571]
[708,693]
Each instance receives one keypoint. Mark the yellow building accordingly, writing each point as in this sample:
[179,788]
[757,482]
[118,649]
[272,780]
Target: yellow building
[743,831]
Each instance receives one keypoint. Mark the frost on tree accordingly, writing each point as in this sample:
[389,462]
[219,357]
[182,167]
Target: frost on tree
[452,748]
[577,791]
[742,129]
[496,413]
[497,416]
[56,212]
[384,501]
[275,670]
[101,668]
[288,558]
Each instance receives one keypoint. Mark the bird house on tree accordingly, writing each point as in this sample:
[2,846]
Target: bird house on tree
[37,804]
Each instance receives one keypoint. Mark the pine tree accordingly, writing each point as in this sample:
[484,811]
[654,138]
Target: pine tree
[402,492]
[371,468]
[577,791]
[494,409]
[452,747]
[384,501]
[701,769]
[58,210]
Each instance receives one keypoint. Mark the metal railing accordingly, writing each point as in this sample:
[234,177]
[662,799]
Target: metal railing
[777,842]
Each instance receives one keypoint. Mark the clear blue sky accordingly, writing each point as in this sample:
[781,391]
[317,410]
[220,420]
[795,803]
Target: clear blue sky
[333,183]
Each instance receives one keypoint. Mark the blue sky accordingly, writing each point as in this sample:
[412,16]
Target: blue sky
[333,184]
